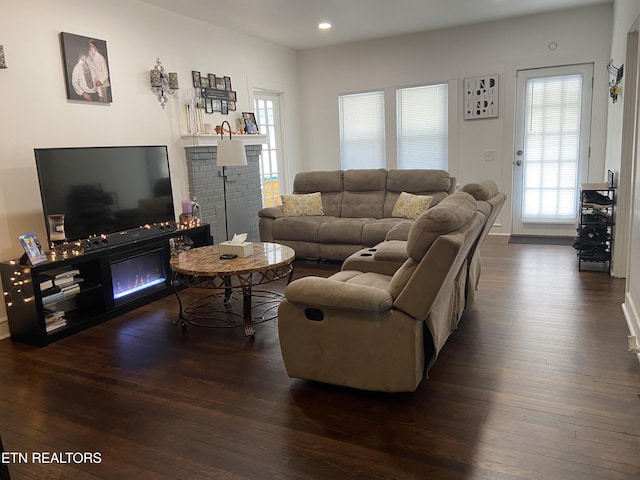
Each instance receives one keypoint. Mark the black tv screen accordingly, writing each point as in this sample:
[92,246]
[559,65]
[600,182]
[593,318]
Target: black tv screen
[102,190]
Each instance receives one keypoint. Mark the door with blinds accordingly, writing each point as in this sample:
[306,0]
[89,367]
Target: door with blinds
[551,157]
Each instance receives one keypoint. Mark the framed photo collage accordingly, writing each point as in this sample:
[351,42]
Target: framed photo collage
[216,92]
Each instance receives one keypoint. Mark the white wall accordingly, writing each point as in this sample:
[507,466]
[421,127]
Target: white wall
[626,19]
[36,113]
[582,35]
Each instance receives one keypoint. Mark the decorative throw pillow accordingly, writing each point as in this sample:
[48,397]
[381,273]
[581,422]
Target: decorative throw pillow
[302,204]
[409,205]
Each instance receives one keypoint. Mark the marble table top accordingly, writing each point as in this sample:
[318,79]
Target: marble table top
[205,261]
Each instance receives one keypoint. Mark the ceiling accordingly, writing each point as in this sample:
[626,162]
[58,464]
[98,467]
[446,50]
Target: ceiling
[293,23]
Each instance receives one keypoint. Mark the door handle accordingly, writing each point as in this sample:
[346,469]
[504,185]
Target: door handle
[519,161]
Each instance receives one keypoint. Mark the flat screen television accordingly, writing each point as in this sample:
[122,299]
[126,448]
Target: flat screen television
[102,190]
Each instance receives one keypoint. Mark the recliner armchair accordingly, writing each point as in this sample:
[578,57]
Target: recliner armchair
[366,330]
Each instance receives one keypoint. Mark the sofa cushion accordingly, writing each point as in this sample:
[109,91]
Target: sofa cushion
[449,215]
[328,183]
[364,193]
[411,206]
[376,231]
[342,230]
[418,181]
[370,279]
[483,190]
[363,180]
[363,204]
[391,251]
[302,204]
[435,183]
[298,228]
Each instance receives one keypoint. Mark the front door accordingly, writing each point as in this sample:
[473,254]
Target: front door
[551,157]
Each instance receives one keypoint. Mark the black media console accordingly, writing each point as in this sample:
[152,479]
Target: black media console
[62,296]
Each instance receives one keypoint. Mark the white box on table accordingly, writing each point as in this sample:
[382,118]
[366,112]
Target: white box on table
[243,249]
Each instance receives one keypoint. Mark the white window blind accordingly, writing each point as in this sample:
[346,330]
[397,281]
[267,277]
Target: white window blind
[552,148]
[362,140]
[423,127]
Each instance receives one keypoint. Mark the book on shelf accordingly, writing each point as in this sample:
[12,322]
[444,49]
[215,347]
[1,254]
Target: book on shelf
[56,325]
[71,288]
[53,316]
[64,281]
[46,284]
[54,297]
[50,291]
[67,273]
[60,276]
[57,293]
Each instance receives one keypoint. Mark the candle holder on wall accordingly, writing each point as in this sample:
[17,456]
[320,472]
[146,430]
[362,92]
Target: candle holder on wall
[162,83]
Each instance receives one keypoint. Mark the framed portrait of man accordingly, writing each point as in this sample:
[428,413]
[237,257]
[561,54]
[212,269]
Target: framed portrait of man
[86,68]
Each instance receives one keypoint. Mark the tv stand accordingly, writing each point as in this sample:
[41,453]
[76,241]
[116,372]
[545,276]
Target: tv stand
[91,287]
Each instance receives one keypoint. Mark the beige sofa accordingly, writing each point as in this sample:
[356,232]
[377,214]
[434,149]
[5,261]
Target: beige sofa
[381,332]
[357,207]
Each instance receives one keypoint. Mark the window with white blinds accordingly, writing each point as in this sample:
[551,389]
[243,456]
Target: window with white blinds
[362,136]
[423,120]
[552,147]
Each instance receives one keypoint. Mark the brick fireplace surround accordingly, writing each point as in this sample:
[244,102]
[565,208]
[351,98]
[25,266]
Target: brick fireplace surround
[244,197]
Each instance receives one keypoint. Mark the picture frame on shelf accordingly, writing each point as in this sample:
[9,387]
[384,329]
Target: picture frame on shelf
[32,248]
[250,124]
[196,78]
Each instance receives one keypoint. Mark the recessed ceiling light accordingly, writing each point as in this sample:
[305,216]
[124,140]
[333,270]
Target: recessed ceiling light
[324,26]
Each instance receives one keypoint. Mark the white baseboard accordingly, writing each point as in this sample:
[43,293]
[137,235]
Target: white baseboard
[633,319]
[4,328]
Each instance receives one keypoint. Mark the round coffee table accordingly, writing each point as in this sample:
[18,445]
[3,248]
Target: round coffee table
[202,268]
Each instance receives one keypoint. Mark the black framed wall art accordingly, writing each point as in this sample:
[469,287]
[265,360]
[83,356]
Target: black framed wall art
[86,68]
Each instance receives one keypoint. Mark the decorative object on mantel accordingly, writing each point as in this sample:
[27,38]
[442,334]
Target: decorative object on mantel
[215,91]
[3,64]
[250,124]
[163,83]
[481,97]
[86,68]
[229,153]
[194,117]
[614,85]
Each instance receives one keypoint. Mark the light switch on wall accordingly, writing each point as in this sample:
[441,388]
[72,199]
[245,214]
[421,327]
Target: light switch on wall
[489,155]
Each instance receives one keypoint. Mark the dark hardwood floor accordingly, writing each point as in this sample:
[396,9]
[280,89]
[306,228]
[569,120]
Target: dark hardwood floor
[535,384]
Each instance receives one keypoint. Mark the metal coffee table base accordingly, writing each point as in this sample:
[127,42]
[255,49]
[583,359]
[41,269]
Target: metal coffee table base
[230,310]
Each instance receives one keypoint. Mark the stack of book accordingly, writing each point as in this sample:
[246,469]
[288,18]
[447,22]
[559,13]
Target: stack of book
[54,320]
[56,286]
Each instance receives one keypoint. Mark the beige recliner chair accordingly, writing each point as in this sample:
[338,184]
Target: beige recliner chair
[366,330]
[490,202]
[386,257]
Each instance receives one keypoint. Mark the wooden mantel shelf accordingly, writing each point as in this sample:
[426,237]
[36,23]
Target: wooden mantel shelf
[204,140]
